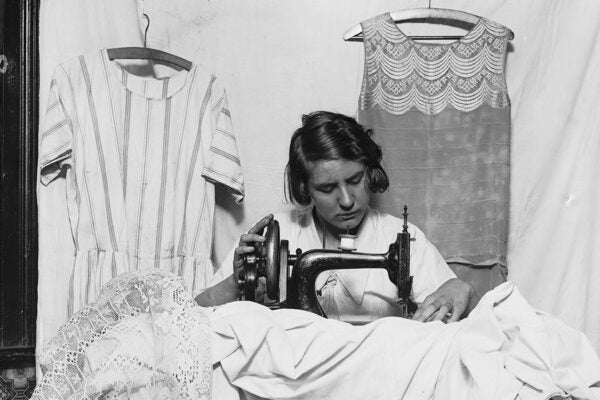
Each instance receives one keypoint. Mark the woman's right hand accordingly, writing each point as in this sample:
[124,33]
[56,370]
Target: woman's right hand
[228,289]
[249,243]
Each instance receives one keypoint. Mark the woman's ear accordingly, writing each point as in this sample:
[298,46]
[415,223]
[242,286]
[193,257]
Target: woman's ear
[370,179]
[303,189]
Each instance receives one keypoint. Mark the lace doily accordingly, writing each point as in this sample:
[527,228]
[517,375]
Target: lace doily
[144,338]
[400,73]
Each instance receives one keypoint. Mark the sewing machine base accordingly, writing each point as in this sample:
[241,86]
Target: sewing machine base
[406,310]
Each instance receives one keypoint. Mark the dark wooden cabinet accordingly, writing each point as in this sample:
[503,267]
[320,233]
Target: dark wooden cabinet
[19,77]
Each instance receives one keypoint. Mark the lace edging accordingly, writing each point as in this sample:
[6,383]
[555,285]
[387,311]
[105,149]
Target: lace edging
[400,73]
[144,338]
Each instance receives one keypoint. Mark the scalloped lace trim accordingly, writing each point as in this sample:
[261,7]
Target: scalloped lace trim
[401,73]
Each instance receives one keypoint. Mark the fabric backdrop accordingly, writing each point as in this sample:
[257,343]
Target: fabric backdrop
[279,60]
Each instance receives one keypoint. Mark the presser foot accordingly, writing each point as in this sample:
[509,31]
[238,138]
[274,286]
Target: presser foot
[406,308]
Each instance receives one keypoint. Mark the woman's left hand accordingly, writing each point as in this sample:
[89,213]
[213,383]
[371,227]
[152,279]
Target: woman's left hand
[448,303]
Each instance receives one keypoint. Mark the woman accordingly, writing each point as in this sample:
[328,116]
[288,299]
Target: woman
[333,168]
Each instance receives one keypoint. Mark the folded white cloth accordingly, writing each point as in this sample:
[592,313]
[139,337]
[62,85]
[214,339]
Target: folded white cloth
[505,349]
[145,337]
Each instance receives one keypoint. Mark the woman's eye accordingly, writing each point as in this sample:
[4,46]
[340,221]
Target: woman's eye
[326,189]
[356,181]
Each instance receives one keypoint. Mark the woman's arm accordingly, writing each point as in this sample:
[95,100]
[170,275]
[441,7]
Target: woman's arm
[448,303]
[442,296]
[227,290]
[223,292]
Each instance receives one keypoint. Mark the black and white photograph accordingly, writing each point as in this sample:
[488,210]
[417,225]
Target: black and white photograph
[300,199]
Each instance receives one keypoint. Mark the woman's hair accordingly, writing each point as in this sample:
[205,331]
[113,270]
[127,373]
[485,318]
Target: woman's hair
[326,136]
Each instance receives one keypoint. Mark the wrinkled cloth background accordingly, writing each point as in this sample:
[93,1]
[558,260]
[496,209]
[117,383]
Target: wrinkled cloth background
[279,60]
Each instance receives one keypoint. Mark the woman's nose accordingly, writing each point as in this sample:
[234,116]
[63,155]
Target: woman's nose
[346,199]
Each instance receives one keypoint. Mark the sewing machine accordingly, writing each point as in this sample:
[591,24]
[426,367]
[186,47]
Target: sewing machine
[290,278]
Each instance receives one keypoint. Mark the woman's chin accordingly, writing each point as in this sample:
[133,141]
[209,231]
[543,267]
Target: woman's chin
[353,223]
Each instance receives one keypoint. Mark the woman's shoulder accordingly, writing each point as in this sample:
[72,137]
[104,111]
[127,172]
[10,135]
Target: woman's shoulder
[296,217]
[391,223]
[297,227]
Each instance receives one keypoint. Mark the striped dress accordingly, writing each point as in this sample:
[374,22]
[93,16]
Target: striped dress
[140,157]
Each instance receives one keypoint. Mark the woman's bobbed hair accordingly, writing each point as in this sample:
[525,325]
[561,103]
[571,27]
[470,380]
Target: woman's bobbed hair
[326,136]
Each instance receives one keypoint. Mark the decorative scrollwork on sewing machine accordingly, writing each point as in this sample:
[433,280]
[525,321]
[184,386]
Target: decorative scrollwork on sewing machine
[290,278]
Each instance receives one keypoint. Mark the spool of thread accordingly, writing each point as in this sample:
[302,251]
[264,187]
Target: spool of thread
[347,242]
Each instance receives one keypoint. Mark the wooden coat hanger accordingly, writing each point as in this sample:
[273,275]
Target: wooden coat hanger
[434,15]
[146,53]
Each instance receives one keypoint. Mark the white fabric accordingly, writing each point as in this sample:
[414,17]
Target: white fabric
[553,254]
[504,350]
[145,337]
[364,294]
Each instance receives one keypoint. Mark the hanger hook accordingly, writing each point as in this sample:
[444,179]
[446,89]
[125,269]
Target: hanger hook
[147,26]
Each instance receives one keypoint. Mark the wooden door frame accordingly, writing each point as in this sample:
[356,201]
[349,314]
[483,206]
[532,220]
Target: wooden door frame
[18,241]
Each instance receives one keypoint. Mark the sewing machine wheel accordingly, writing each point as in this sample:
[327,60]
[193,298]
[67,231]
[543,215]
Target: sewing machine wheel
[250,282]
[272,259]
[262,264]
[283,270]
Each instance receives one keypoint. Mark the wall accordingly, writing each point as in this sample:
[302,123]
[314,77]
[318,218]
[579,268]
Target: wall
[280,59]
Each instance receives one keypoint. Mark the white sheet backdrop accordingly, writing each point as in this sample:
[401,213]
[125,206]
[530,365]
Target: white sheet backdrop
[279,59]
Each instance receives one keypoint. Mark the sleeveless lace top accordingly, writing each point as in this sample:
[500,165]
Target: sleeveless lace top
[441,114]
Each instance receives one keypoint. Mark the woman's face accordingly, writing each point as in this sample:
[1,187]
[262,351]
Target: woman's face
[339,192]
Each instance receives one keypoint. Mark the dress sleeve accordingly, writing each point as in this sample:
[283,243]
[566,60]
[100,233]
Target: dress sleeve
[56,140]
[223,164]
[224,270]
[428,267]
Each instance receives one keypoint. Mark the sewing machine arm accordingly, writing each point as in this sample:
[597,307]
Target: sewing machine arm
[310,264]
[291,278]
